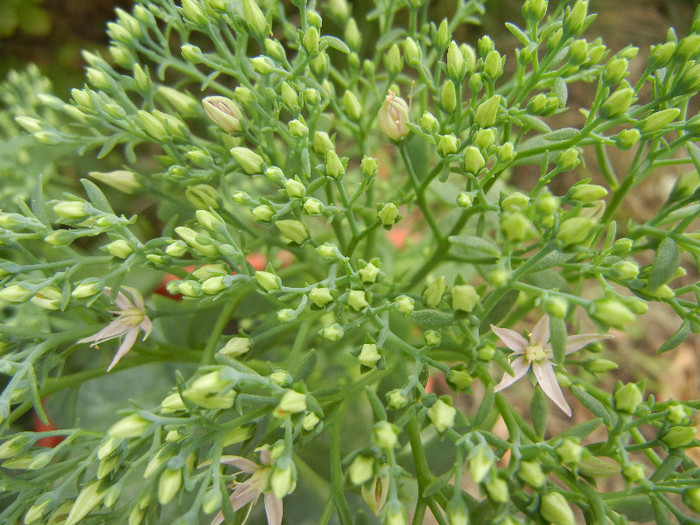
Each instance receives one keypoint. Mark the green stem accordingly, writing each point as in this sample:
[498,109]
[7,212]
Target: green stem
[224,317]
[337,492]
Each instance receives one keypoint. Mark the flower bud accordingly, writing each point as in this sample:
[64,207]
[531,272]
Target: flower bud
[334,166]
[369,273]
[357,300]
[515,226]
[292,402]
[661,55]
[404,305]
[333,332]
[573,21]
[169,484]
[688,48]
[475,83]
[353,37]
[484,138]
[267,280]
[294,188]
[263,213]
[456,65]
[568,159]
[534,10]
[428,123]
[328,251]
[393,60]
[320,296]
[587,192]
[236,346]
[202,196]
[393,117]
[617,103]
[388,215]
[485,116]
[679,437]
[626,270]
[191,53]
[70,209]
[691,497]
[612,312]
[442,415]
[627,138]
[464,200]
[412,52]
[293,230]
[384,435]
[352,106]
[658,120]
[634,472]
[322,143]
[464,297]
[506,153]
[244,96]
[578,52]
[298,128]
[361,469]
[531,473]
[575,230]
[369,355]
[570,452]
[224,112]
[497,489]
[119,248]
[290,97]
[516,201]
[434,292]
[448,145]
[320,66]
[128,427]
[480,463]
[313,206]
[396,399]
[209,220]
[255,19]
[282,480]
[474,161]
[262,65]
[213,285]
[628,398]
[448,97]
[88,498]
[310,421]
[432,338]
[192,238]
[555,509]
[615,70]
[493,65]
[250,161]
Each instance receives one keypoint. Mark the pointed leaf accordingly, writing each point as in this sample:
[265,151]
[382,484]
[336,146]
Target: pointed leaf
[97,198]
[557,329]
[499,310]
[591,403]
[666,262]
[562,134]
[561,91]
[432,319]
[518,33]
[677,338]
[535,123]
[336,43]
[37,202]
[473,242]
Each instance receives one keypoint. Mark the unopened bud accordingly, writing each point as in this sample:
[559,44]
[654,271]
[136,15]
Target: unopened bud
[628,398]
[442,415]
[393,117]
[485,116]
[388,214]
[448,145]
[434,292]
[320,296]
[618,103]
[612,312]
[250,161]
[573,21]
[293,230]
[357,300]
[555,509]
[575,230]
[464,297]
[267,280]
[587,192]
[224,112]
[361,469]
[334,166]
[393,60]
[658,120]
[255,18]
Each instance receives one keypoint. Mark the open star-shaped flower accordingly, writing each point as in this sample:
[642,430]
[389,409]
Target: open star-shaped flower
[250,490]
[131,318]
[537,354]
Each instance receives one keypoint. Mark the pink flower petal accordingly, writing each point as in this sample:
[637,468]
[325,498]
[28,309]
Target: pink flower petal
[520,367]
[544,372]
[127,343]
[273,509]
[240,463]
[244,494]
[511,339]
[111,331]
[576,342]
[540,334]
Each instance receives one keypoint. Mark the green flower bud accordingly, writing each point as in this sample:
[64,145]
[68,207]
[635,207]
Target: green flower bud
[688,48]
[617,103]
[634,472]
[628,398]
[626,270]
[393,117]
[442,415]
[506,153]
[320,296]
[172,403]
[534,10]
[627,138]
[267,280]
[153,126]
[497,489]
[456,65]
[464,297]
[432,338]
[448,145]
[587,192]
[290,97]
[202,196]
[333,332]
[464,200]
[292,402]
[573,21]
[514,202]
[209,220]
[314,18]
[294,231]
[570,452]
[434,292]
[169,484]
[119,248]
[412,52]
[485,116]
[224,112]
[250,161]
[428,123]
[515,226]
[493,65]
[475,84]
[262,65]
[191,53]
[448,97]
[404,305]
[128,427]
[263,213]
[601,366]
[369,273]
[361,469]
[661,55]
[568,159]
[480,463]
[334,166]
[615,70]
[322,143]
[88,498]
[328,251]
[658,120]
[442,35]
[352,105]
[484,138]
[393,61]
[555,509]
[310,421]
[357,300]
[298,128]
[200,158]
[531,473]
[70,209]
[474,161]
[213,285]
[353,37]
[611,312]
[691,497]
[192,238]
[536,105]
[676,414]
[244,96]
[313,206]
[388,215]
[274,50]
[396,399]
[679,437]
[575,230]
[578,52]
[236,346]
[320,65]
[469,57]
[294,188]
[255,19]
[369,355]
[459,378]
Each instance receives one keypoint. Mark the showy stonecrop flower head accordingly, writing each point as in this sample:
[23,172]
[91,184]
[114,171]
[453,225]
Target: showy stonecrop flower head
[335,215]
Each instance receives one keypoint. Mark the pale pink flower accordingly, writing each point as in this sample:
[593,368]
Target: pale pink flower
[131,317]
[537,353]
[249,491]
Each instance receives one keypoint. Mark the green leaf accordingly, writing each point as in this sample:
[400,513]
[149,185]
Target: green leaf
[389,38]
[376,404]
[484,408]
[562,134]
[499,310]
[432,319]
[108,145]
[518,33]
[557,328]
[581,430]
[550,260]
[561,91]
[305,367]
[682,213]
[591,403]
[635,508]
[336,43]
[666,262]
[476,243]
[37,202]
[535,123]
[97,198]
[677,338]
[538,413]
